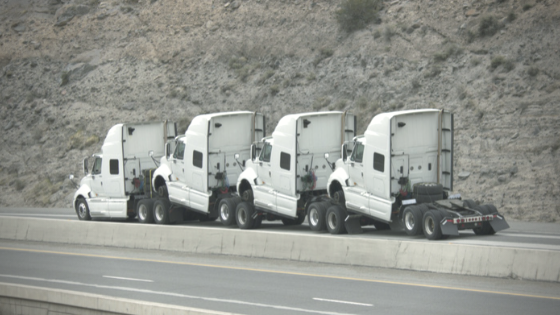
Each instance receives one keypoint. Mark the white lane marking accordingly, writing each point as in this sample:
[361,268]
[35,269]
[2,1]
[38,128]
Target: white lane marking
[343,302]
[531,235]
[37,215]
[129,279]
[279,307]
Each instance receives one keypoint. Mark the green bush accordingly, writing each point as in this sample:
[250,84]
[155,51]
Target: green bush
[533,71]
[497,61]
[356,14]
[511,16]
[488,26]
[274,89]
[445,53]
[362,102]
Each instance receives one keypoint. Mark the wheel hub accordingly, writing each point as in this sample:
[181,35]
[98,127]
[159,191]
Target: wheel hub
[224,211]
[331,219]
[409,220]
[314,217]
[159,213]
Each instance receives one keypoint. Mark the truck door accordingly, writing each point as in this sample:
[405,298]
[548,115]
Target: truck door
[198,169]
[177,188]
[356,197]
[264,193]
[98,200]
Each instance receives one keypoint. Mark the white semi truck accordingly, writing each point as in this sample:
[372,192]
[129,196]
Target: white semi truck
[118,179]
[203,169]
[287,170]
[401,169]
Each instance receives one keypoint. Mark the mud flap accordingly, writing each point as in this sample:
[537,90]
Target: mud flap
[448,228]
[499,223]
[352,224]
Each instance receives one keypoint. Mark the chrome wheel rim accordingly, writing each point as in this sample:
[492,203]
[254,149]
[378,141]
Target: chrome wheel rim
[429,225]
[82,210]
[409,220]
[142,212]
[314,217]
[159,212]
[242,216]
[331,219]
[224,211]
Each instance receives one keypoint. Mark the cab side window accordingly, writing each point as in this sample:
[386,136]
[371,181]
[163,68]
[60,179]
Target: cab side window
[179,151]
[266,152]
[358,153]
[96,166]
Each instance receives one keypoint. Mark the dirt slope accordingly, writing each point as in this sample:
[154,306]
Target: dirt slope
[71,69]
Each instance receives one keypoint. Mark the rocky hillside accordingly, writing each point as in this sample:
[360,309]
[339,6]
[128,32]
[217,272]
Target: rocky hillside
[70,69]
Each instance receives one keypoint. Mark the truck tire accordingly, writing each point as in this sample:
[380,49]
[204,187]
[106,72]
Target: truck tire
[244,215]
[161,211]
[427,189]
[162,191]
[82,210]
[145,211]
[247,195]
[486,228]
[431,225]
[335,219]
[338,196]
[298,221]
[317,213]
[412,220]
[227,211]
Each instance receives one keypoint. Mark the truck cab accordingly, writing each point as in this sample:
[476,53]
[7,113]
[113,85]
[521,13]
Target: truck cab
[207,161]
[117,180]
[288,169]
[402,169]
[398,147]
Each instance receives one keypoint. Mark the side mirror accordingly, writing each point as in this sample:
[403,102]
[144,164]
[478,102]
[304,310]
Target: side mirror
[331,165]
[236,157]
[344,153]
[71,178]
[151,153]
[85,166]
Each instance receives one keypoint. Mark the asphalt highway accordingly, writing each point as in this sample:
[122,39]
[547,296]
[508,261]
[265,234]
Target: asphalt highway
[520,235]
[265,286]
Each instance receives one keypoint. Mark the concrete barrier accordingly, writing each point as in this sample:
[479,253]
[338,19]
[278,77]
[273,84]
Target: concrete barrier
[437,257]
[18,299]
